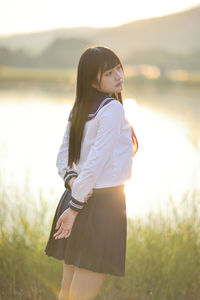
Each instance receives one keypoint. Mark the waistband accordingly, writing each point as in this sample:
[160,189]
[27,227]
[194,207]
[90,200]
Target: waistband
[110,188]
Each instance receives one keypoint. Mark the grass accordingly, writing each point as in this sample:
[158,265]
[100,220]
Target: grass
[162,263]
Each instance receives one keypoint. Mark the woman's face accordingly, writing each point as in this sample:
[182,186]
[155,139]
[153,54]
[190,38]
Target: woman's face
[111,82]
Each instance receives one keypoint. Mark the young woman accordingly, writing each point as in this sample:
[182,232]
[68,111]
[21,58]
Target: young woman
[95,160]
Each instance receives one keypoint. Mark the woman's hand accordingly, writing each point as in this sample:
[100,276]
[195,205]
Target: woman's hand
[88,196]
[65,223]
[66,220]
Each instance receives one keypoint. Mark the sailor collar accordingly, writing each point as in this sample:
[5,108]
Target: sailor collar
[100,100]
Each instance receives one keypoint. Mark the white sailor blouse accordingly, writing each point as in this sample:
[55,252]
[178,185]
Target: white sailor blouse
[108,146]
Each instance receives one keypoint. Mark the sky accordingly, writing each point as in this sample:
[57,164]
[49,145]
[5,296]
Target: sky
[20,16]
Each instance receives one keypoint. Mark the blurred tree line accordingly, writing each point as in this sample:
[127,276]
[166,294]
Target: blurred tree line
[65,53]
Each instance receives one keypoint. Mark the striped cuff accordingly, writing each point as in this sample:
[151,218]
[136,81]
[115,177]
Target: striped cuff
[76,205]
[68,176]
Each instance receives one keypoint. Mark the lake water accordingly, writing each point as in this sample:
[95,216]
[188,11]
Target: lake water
[167,163]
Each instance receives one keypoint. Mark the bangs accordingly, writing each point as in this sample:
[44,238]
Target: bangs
[109,63]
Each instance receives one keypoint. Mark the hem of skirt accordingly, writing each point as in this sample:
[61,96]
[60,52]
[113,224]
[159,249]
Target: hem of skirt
[85,267]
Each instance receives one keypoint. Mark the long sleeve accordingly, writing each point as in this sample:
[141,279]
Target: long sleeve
[109,123]
[64,170]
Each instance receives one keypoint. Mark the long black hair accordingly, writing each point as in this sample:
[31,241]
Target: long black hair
[92,60]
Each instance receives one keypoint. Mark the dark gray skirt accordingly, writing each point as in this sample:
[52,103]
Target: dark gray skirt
[98,237]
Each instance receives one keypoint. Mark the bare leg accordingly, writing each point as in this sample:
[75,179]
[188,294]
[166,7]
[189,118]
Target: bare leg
[85,284]
[68,272]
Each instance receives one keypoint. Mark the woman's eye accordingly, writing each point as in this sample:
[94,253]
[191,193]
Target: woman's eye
[118,67]
[109,73]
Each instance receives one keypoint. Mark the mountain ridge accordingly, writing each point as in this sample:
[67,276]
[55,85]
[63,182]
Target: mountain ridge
[176,32]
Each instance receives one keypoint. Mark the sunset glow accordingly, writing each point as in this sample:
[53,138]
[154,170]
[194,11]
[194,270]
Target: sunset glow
[30,16]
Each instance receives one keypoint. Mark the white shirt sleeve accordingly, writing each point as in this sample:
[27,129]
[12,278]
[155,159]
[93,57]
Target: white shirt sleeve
[109,123]
[62,156]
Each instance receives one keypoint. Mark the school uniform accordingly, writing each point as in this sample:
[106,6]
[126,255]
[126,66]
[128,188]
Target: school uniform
[98,237]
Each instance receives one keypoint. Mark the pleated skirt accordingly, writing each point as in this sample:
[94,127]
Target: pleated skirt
[98,237]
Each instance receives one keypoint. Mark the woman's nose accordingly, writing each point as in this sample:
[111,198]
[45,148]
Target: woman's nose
[117,75]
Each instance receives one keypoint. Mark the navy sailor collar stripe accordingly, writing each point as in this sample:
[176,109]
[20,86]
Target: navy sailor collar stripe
[100,100]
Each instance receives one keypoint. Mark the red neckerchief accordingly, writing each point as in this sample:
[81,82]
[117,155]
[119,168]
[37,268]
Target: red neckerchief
[135,141]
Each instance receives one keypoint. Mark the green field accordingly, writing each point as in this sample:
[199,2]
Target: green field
[163,255]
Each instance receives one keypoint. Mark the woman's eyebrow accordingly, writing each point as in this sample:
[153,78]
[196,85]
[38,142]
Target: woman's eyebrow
[113,68]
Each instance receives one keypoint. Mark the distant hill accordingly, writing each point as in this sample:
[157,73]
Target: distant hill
[65,53]
[36,43]
[62,53]
[169,42]
[178,32]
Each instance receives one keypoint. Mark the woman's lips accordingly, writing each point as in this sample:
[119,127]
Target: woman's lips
[120,83]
